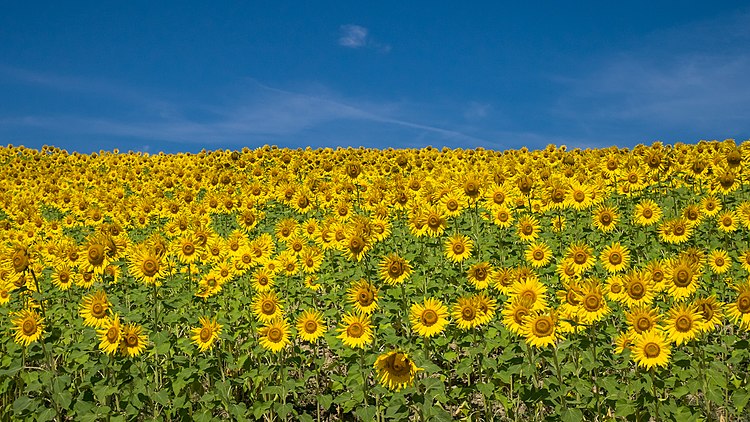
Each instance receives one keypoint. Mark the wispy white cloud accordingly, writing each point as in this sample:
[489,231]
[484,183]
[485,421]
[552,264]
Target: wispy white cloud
[355,36]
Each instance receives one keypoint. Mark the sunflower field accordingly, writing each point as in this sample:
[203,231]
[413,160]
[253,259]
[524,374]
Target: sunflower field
[360,284]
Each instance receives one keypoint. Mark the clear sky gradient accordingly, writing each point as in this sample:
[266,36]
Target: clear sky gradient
[182,76]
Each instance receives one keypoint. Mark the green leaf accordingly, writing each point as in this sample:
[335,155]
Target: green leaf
[739,399]
[571,415]
[366,413]
[325,401]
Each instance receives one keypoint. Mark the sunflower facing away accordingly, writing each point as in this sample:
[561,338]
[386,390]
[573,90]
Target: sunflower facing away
[28,326]
[396,370]
[356,330]
[430,318]
[206,335]
[310,326]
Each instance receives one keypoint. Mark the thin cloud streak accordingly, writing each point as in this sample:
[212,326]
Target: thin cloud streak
[353,36]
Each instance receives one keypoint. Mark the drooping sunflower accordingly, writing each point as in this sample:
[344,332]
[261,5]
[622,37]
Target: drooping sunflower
[540,329]
[430,318]
[396,370]
[364,296]
[394,269]
[615,257]
[274,336]
[605,218]
[133,341]
[683,323]
[466,313]
[458,247]
[538,254]
[267,306]
[310,326]
[356,330]
[206,335]
[110,336]
[651,349]
[647,213]
[739,310]
[28,326]
[719,261]
[94,309]
[480,274]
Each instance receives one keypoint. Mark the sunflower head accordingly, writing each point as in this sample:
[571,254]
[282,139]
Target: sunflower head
[396,370]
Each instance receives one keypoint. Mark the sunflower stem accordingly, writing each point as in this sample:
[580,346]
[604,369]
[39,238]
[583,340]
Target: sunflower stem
[653,390]
[41,297]
[364,375]
[563,399]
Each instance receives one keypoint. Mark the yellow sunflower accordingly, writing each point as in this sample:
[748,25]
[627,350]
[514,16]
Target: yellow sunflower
[94,309]
[642,319]
[458,247]
[430,318]
[514,314]
[274,336]
[145,264]
[364,296]
[28,326]
[711,310]
[593,305]
[110,336]
[396,370]
[683,278]
[466,313]
[615,257]
[538,254]
[133,340]
[683,323]
[647,213]
[394,269]
[356,330]
[310,326]
[638,289]
[528,228]
[480,274]
[727,221]
[719,261]
[605,218]
[581,255]
[267,306]
[539,328]
[739,310]
[532,292]
[206,335]
[651,349]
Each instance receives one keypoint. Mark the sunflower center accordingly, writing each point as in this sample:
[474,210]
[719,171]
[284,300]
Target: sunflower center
[458,248]
[707,311]
[263,280]
[503,216]
[356,245]
[580,257]
[131,340]
[682,278]
[615,258]
[538,255]
[188,249]
[543,327]
[528,296]
[150,267]
[246,258]
[395,269]
[20,261]
[579,196]
[657,276]
[572,298]
[683,324]
[678,230]
[64,277]
[647,213]
[480,273]
[275,334]
[355,330]
[471,188]
[527,229]
[113,334]
[719,261]
[365,298]
[468,313]
[633,178]
[519,315]
[28,327]
[605,219]
[651,350]
[643,324]
[615,288]
[726,221]
[636,290]
[268,307]
[205,334]
[98,310]
[592,302]
[429,317]
[311,326]
[743,303]
[96,254]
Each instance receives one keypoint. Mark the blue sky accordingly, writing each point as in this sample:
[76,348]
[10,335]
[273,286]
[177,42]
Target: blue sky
[182,76]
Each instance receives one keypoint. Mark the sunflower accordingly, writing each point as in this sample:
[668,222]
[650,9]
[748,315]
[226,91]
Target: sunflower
[364,296]
[647,213]
[642,319]
[581,256]
[267,306]
[531,292]
[528,228]
[614,288]
[263,280]
[206,335]
[430,318]
[434,221]
[538,254]
[453,203]
[651,349]
[622,341]
[683,323]
[711,310]
[486,306]
[683,278]
[539,328]
[605,218]
[394,269]
[110,335]
[719,261]
[97,256]
[466,313]
[145,264]
[675,231]
[458,247]
[638,289]
[28,326]
[502,217]
[710,205]
[480,274]
[186,249]
[593,305]
[739,310]
[356,330]
[133,340]
[615,257]
[311,259]
[63,277]
[94,309]
[396,370]
[558,223]
[5,289]
[274,336]
[310,326]
[726,221]
[356,246]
